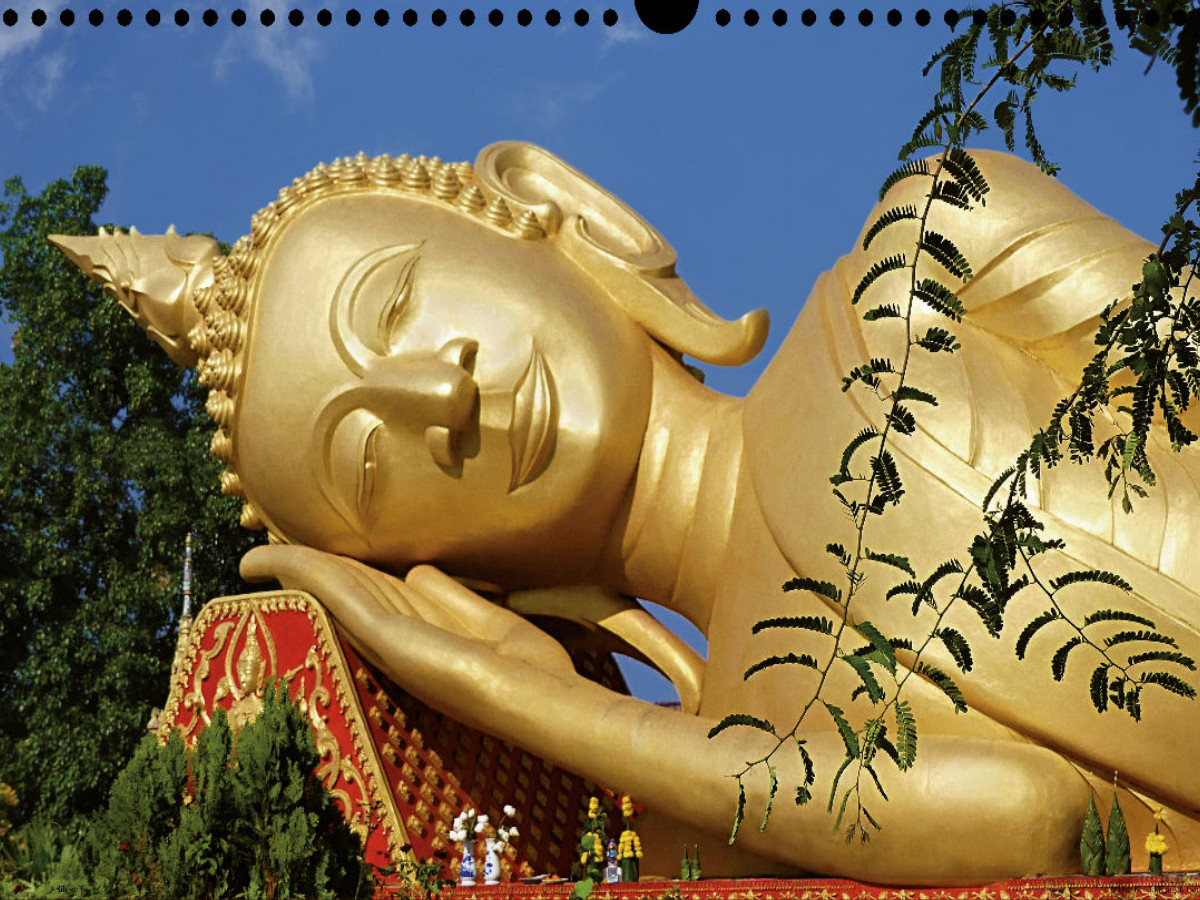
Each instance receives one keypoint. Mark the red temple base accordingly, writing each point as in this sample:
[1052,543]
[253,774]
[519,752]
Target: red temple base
[1128,887]
[400,771]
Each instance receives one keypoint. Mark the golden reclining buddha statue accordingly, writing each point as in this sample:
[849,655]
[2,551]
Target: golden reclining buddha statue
[455,397]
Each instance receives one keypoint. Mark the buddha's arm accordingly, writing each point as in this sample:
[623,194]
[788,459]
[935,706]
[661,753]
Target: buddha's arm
[490,669]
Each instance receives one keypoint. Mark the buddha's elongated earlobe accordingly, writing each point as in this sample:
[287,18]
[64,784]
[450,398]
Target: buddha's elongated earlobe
[620,249]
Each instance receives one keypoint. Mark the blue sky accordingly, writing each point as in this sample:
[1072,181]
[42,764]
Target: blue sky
[756,151]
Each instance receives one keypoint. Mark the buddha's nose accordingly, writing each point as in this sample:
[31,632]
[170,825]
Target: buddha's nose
[432,394]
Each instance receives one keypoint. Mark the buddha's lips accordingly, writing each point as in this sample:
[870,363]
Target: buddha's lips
[534,427]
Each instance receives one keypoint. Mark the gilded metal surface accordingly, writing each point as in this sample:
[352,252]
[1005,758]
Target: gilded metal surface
[423,370]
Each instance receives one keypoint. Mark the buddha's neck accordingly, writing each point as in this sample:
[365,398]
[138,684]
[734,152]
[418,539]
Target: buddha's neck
[669,546]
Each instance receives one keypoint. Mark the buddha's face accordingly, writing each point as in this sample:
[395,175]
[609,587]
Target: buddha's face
[420,388]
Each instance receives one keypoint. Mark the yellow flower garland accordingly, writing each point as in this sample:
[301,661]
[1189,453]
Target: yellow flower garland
[1156,843]
[629,846]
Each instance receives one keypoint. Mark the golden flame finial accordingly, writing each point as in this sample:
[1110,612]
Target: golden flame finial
[155,278]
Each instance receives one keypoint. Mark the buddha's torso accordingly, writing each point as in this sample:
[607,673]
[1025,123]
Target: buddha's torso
[993,394]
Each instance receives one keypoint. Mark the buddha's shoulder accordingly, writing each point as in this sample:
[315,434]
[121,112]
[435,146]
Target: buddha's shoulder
[1043,261]
[1026,225]
[1045,264]
[1015,200]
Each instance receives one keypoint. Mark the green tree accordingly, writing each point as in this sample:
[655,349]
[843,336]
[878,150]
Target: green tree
[104,470]
[239,815]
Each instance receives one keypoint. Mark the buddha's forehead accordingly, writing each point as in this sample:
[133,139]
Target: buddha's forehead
[334,232]
[320,245]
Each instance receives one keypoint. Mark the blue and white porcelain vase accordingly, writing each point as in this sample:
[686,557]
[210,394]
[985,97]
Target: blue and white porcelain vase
[466,871]
[491,863]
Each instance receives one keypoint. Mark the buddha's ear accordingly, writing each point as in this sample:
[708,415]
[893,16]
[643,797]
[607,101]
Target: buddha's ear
[619,249]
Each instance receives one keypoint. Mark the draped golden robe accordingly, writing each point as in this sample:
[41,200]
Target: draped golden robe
[1046,263]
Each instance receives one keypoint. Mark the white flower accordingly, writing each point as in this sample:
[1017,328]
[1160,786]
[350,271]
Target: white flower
[458,835]
[509,811]
[512,832]
[483,818]
[479,827]
[503,835]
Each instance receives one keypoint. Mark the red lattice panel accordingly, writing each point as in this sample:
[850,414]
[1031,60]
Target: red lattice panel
[438,767]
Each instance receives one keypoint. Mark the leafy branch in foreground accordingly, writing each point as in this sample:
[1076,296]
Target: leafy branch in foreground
[1148,353]
[1001,556]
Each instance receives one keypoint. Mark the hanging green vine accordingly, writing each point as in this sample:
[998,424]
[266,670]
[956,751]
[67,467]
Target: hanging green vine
[1147,365]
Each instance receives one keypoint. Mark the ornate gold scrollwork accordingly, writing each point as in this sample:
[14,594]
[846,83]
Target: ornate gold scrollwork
[194,701]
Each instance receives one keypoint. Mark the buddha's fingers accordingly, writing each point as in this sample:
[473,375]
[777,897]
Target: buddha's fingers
[389,592]
[507,632]
[332,579]
[442,601]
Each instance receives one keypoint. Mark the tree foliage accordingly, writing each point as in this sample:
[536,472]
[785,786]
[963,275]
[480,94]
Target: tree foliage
[105,469]
[234,815]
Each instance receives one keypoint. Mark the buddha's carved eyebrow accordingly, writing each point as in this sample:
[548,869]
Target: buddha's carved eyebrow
[369,302]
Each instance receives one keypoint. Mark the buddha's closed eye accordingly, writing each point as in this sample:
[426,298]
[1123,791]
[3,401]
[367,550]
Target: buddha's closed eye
[351,463]
[366,477]
[370,303]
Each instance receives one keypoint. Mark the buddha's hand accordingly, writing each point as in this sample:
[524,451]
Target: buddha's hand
[441,641]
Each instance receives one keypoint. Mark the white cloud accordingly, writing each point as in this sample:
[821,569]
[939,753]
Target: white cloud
[550,106]
[21,36]
[24,36]
[283,51]
[46,76]
[621,33]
